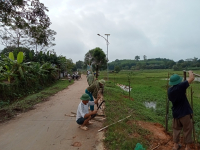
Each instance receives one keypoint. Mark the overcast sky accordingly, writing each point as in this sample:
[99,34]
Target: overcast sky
[155,28]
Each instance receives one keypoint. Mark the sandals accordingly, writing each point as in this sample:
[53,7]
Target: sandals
[89,123]
[83,128]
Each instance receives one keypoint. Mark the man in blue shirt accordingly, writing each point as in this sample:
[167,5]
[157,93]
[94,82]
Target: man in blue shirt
[181,109]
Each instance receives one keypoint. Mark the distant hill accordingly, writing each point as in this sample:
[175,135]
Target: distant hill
[154,63]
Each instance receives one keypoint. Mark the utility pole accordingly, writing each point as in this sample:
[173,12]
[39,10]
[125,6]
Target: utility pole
[107,51]
[107,57]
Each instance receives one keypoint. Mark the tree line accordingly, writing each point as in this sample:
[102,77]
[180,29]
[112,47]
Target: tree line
[154,63]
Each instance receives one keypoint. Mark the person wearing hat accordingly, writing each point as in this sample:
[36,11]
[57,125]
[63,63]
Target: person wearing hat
[83,115]
[90,79]
[181,110]
[93,90]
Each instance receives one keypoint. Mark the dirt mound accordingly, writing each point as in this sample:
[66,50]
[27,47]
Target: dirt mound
[160,139]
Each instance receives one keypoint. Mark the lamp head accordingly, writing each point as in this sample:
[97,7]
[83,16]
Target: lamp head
[98,34]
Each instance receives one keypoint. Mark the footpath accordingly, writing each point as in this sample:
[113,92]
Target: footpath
[47,127]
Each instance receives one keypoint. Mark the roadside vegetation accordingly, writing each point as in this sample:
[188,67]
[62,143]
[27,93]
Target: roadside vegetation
[25,75]
[154,63]
[24,104]
[147,86]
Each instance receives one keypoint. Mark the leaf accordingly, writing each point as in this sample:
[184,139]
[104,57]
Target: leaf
[31,55]
[7,67]
[11,56]
[21,72]
[1,68]
[20,57]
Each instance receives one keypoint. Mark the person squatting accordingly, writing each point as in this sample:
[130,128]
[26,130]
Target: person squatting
[83,116]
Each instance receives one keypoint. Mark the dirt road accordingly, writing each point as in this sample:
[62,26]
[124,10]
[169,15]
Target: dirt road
[48,128]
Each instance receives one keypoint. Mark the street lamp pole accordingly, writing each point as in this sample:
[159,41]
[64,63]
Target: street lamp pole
[107,51]
[107,56]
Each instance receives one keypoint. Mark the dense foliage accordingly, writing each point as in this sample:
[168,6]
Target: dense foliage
[188,64]
[23,72]
[156,63]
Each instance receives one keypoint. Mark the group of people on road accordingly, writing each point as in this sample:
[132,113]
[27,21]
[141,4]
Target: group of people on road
[84,116]
[76,75]
[181,109]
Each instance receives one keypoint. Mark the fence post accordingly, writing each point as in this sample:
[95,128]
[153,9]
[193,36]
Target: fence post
[192,114]
[184,74]
[167,106]
[129,89]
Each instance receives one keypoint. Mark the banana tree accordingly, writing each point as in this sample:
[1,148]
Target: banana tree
[36,73]
[52,70]
[6,70]
[14,68]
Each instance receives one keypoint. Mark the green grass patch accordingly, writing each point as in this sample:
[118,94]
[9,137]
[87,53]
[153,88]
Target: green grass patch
[147,86]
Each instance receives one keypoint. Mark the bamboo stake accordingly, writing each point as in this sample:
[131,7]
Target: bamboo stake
[193,73]
[196,74]
[129,91]
[112,124]
[192,114]
[167,107]
[96,115]
[99,119]
[156,147]
[184,74]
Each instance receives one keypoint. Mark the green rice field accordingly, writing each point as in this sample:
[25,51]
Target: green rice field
[147,102]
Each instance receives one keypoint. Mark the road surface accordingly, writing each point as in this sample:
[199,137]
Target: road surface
[48,128]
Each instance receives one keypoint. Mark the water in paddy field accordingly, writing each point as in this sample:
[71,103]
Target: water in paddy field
[150,105]
[124,87]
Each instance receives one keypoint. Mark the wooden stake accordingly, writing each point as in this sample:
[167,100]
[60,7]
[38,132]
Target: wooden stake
[112,124]
[193,115]
[167,106]
[156,147]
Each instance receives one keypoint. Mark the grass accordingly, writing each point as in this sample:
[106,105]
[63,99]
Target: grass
[147,86]
[27,103]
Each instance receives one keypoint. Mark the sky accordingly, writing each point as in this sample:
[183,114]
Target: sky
[155,28]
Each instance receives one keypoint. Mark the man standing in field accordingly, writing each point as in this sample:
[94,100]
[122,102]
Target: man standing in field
[181,110]
[83,115]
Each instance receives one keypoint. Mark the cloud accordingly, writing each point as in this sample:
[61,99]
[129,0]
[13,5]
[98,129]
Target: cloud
[165,29]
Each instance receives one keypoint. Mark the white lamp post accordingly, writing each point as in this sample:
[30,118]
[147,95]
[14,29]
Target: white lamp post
[107,51]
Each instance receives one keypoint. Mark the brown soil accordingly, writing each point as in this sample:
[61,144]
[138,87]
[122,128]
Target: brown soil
[159,139]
